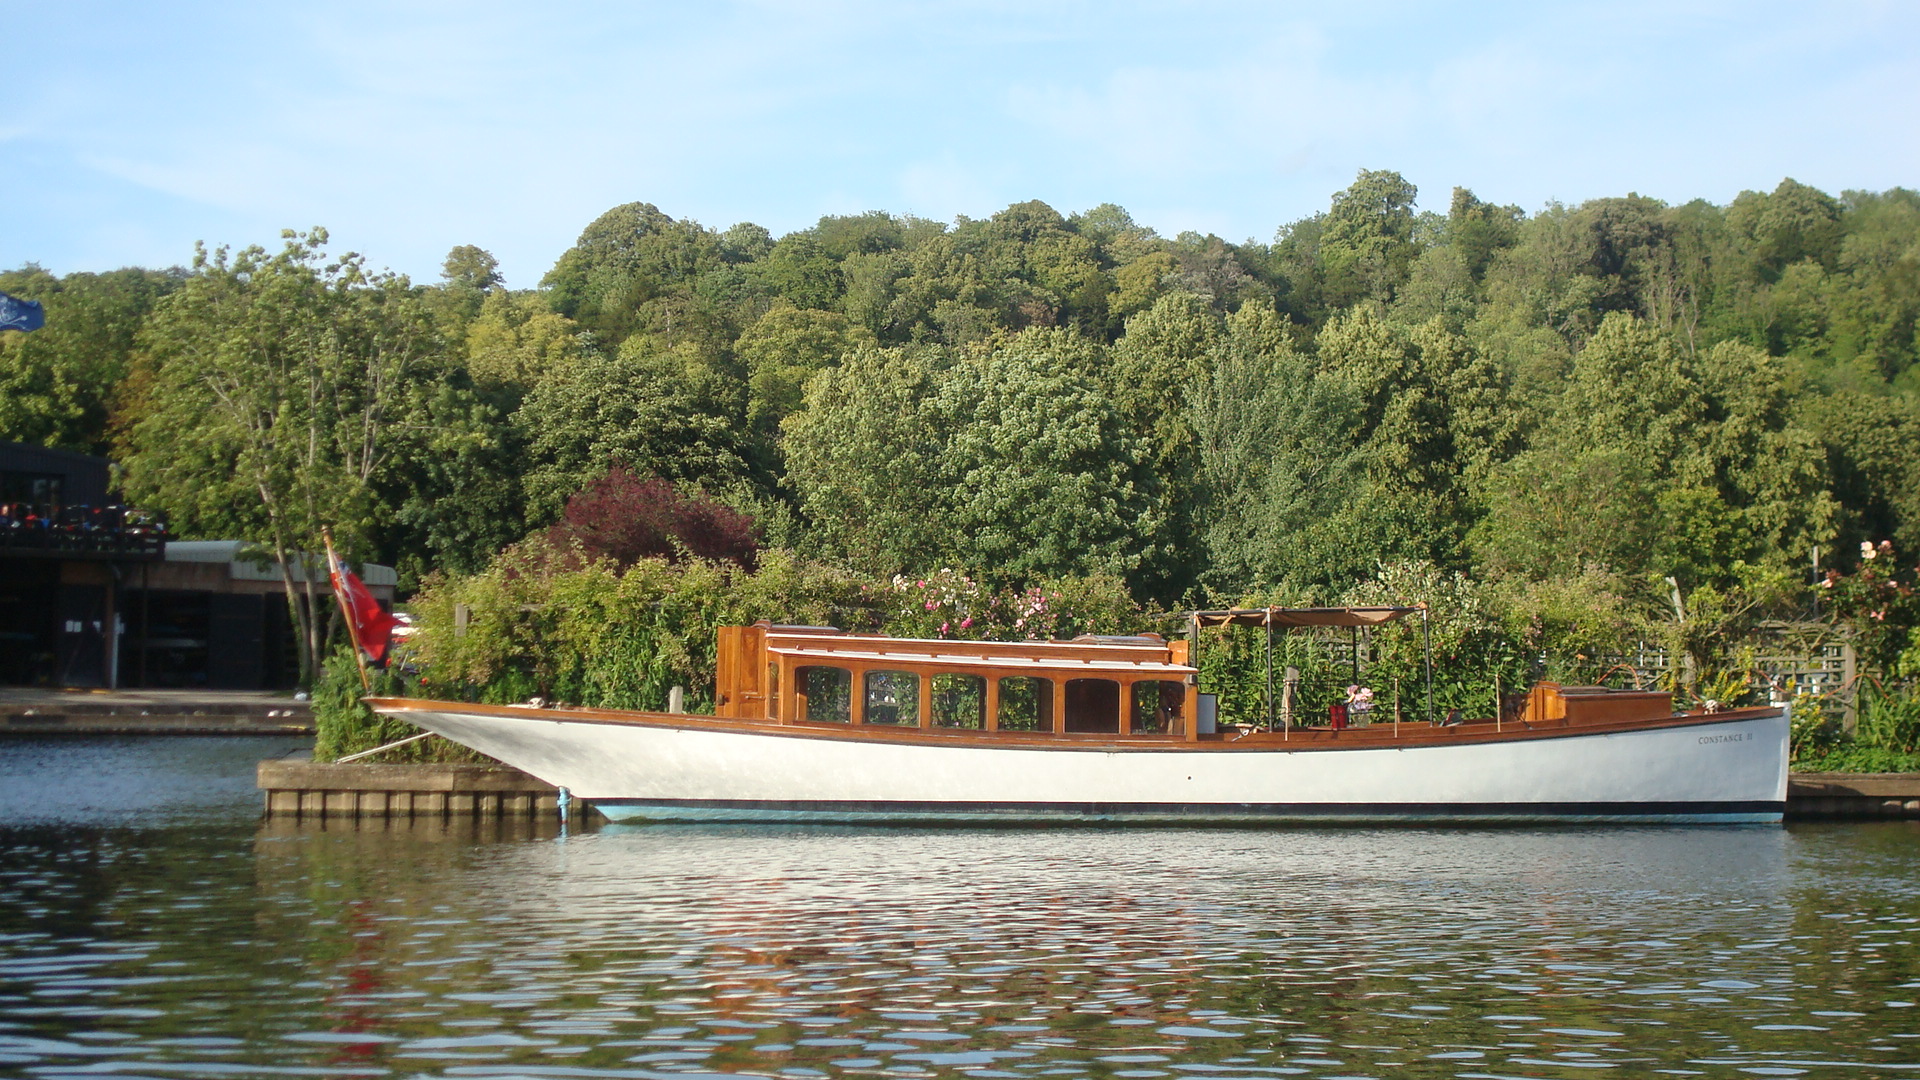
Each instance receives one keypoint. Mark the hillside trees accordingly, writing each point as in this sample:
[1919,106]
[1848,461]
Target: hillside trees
[1280,465]
[659,410]
[1006,459]
[1615,391]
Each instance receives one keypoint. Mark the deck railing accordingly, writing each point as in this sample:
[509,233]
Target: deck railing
[114,531]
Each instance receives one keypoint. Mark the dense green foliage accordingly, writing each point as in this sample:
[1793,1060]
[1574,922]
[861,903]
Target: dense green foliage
[344,725]
[1617,422]
[543,622]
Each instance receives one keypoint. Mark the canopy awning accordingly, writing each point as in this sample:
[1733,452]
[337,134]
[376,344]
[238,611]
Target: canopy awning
[1299,617]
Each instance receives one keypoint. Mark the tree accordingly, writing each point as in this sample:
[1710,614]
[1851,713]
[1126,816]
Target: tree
[863,460]
[516,342]
[278,383]
[626,258]
[1477,231]
[1041,475]
[1367,243]
[1795,222]
[61,385]
[1868,440]
[1631,387]
[1153,379]
[801,271]
[659,411]
[1428,421]
[467,276]
[781,351]
[1009,462]
[1281,465]
[1875,321]
[449,495]
[1558,511]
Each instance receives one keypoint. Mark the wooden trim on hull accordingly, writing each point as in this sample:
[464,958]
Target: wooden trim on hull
[1377,736]
[736,811]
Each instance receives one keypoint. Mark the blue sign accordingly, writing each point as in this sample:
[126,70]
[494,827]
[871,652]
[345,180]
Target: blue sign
[18,314]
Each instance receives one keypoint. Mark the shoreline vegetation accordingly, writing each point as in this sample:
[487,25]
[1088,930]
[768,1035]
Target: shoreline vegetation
[1622,441]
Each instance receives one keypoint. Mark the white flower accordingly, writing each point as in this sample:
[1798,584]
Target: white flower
[1866,549]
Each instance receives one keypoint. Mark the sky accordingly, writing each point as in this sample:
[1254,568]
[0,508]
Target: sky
[129,131]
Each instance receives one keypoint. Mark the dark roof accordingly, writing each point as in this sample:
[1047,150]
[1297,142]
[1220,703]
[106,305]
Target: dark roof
[85,476]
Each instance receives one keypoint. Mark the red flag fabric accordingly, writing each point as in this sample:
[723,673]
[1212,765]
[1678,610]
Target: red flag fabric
[372,625]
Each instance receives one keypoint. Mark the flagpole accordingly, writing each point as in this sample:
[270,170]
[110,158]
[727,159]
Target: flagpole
[346,613]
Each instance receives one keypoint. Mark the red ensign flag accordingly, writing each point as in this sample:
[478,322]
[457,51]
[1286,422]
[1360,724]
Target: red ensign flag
[372,626]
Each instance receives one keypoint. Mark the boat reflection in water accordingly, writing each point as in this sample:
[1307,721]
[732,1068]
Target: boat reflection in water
[763,950]
[813,725]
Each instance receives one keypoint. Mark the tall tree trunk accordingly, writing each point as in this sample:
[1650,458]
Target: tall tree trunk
[296,619]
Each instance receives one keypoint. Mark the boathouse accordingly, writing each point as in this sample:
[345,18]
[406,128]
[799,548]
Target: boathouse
[66,556]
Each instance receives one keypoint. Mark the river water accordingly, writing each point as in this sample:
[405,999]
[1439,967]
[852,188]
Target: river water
[151,926]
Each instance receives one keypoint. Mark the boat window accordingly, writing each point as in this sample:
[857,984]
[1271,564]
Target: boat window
[1026,704]
[959,701]
[1157,706]
[893,697]
[1093,705]
[828,692]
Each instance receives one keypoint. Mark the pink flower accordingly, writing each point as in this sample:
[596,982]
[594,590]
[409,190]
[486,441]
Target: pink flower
[966,622]
[931,605]
[944,627]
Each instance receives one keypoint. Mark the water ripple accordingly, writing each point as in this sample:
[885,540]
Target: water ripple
[217,951]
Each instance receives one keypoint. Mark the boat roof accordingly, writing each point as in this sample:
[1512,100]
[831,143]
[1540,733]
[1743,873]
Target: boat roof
[1302,617]
[1012,664]
[1144,654]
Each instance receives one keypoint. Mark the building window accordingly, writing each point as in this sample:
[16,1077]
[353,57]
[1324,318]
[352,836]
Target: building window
[34,489]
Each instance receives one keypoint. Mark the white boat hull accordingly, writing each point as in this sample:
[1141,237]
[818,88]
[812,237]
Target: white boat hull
[1723,771]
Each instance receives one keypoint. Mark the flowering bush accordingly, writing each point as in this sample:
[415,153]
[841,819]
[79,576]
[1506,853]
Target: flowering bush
[951,604]
[1878,601]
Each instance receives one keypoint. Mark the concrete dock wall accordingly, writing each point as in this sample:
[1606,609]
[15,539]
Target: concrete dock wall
[304,790]
[1852,796]
[32,711]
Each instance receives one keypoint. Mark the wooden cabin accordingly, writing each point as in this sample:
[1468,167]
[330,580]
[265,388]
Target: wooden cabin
[1099,687]
[1550,704]
[1138,685]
